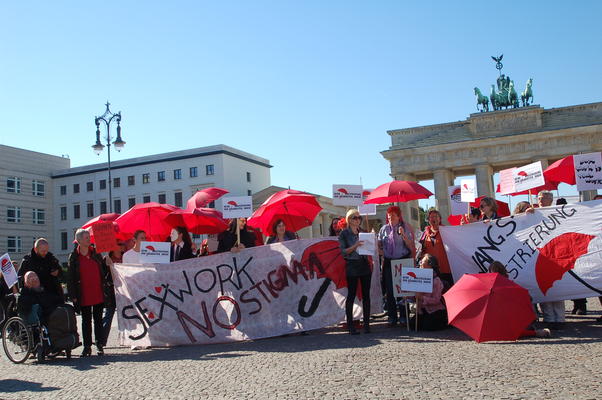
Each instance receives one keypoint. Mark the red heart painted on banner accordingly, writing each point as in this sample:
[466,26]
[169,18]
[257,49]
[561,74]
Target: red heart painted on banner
[158,289]
[151,315]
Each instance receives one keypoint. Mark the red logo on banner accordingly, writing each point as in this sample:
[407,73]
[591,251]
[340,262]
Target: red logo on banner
[232,203]
[151,248]
[413,275]
[466,186]
[4,263]
[522,173]
[343,190]
[366,193]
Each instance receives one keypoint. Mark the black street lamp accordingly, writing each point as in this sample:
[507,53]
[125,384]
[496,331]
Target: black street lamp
[107,118]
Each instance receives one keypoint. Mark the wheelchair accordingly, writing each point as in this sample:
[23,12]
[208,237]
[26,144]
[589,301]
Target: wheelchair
[21,339]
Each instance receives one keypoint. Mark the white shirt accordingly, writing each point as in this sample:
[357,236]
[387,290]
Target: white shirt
[131,257]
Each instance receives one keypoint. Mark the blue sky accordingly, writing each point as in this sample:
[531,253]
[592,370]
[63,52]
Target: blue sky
[311,85]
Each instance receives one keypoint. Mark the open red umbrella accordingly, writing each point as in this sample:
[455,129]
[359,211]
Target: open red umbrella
[297,209]
[203,197]
[535,190]
[502,208]
[489,307]
[199,220]
[150,217]
[101,218]
[397,191]
[562,170]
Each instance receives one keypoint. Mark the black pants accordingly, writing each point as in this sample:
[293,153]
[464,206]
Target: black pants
[352,282]
[87,313]
[390,300]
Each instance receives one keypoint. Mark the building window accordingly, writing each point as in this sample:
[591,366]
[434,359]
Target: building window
[248,177]
[146,199]
[64,241]
[39,216]
[90,209]
[194,172]
[177,174]
[89,186]
[13,244]
[161,176]
[209,169]
[117,206]
[116,182]
[131,180]
[249,193]
[63,213]
[178,199]
[145,178]
[76,188]
[63,190]
[103,207]
[131,202]
[13,214]
[103,184]
[13,184]
[76,211]
[37,188]
[162,198]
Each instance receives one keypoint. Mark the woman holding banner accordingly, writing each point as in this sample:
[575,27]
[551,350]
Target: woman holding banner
[279,233]
[430,309]
[433,244]
[228,239]
[357,270]
[489,209]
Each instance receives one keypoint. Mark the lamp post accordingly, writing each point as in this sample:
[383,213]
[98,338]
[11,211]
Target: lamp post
[107,118]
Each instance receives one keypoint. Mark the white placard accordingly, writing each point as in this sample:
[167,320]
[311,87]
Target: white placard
[369,246]
[396,272]
[367,209]
[455,199]
[237,207]
[154,252]
[468,190]
[417,280]
[507,185]
[8,271]
[588,171]
[347,195]
[528,177]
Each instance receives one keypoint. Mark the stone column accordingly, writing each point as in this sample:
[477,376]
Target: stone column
[325,224]
[407,206]
[315,228]
[484,180]
[443,178]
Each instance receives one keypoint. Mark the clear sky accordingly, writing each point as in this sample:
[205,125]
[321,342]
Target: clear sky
[313,86]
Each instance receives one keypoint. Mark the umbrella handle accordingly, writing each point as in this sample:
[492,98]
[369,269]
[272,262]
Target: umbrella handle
[292,223]
[315,302]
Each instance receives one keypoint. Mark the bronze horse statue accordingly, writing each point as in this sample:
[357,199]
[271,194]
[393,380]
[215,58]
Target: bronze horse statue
[482,101]
[527,94]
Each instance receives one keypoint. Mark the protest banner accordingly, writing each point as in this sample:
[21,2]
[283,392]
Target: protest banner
[347,195]
[9,273]
[258,292]
[555,253]
[237,206]
[419,280]
[507,181]
[468,190]
[455,200]
[397,267]
[588,171]
[104,236]
[154,252]
[528,177]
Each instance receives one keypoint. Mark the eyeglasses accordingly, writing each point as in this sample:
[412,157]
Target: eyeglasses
[356,217]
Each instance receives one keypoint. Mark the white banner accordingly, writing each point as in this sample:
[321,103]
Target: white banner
[455,199]
[555,253]
[588,171]
[528,177]
[237,207]
[468,190]
[259,292]
[347,195]
[8,271]
[154,252]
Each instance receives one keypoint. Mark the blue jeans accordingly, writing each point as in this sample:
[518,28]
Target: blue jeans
[107,320]
[35,315]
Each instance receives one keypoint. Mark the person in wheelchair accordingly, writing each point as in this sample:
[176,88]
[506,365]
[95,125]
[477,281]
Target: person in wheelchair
[35,303]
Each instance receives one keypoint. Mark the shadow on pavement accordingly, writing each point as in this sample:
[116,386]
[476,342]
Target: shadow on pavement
[17,385]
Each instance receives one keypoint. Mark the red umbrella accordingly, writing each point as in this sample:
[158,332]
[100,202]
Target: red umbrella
[199,220]
[297,210]
[397,191]
[489,307]
[562,170]
[203,197]
[547,186]
[502,208]
[101,218]
[150,217]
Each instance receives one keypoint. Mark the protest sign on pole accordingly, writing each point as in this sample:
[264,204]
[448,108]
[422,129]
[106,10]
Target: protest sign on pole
[347,195]
[104,236]
[397,267]
[367,209]
[555,253]
[528,177]
[259,292]
[507,181]
[8,271]
[468,190]
[588,171]
[418,280]
[455,199]
[154,252]
[237,206]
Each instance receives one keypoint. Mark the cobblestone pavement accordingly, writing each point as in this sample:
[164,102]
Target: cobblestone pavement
[329,364]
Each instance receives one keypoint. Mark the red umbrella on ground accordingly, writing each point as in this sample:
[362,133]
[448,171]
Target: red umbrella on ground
[397,191]
[562,170]
[199,220]
[150,217]
[489,307]
[203,197]
[502,208]
[547,186]
[297,209]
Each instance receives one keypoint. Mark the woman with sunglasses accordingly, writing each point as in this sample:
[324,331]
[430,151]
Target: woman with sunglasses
[488,208]
[357,270]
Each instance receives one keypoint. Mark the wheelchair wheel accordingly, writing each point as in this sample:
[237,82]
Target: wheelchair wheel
[17,340]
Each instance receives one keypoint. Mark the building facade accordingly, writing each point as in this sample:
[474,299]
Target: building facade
[26,198]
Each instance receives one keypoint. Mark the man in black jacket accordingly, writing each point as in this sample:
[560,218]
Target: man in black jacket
[35,303]
[45,265]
